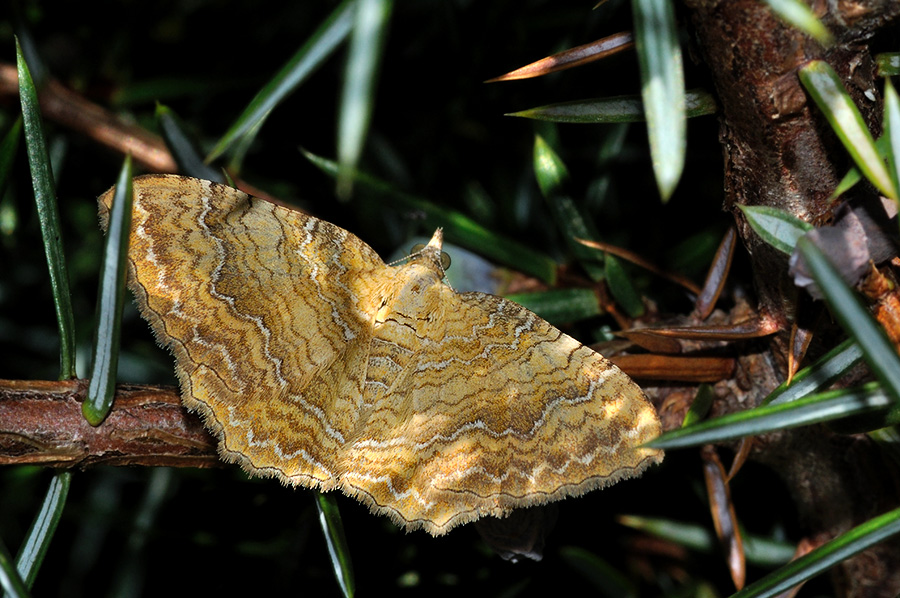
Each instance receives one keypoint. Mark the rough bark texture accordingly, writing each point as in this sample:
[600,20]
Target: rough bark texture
[41,424]
[780,152]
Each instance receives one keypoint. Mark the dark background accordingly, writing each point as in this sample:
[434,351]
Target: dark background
[438,132]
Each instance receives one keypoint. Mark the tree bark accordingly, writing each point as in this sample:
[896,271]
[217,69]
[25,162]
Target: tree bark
[780,152]
[41,424]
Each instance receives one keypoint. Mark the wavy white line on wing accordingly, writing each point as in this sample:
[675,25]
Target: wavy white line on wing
[370,480]
[481,426]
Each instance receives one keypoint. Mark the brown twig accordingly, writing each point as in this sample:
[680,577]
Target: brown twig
[61,105]
[66,107]
[41,424]
[636,259]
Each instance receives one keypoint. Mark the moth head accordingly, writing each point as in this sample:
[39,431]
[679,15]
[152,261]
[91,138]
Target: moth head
[431,255]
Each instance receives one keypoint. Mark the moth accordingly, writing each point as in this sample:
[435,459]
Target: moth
[314,362]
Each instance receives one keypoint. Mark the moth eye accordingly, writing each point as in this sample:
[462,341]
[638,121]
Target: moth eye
[445,257]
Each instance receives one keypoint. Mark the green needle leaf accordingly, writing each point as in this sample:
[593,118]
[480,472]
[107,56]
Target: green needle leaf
[700,406]
[622,288]
[10,580]
[458,227]
[801,16]
[551,174]
[830,95]
[892,131]
[878,351]
[888,64]
[358,97]
[758,550]
[819,375]
[308,58]
[824,557]
[777,227]
[813,409]
[48,214]
[853,175]
[333,528]
[662,88]
[37,540]
[183,148]
[560,306]
[102,387]
[614,109]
